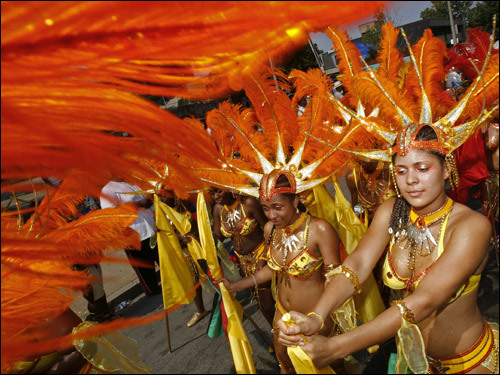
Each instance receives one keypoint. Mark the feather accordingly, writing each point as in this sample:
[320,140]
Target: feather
[430,53]
[273,108]
[389,57]
[348,56]
[483,95]
[475,48]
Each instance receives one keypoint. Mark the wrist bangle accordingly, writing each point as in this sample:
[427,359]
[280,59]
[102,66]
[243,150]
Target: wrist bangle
[347,273]
[254,280]
[406,313]
[322,320]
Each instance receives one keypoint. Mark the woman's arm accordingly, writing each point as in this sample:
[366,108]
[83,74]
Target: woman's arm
[361,262]
[216,215]
[466,246]
[259,277]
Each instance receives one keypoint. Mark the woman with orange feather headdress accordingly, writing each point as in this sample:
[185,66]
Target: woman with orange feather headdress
[438,247]
[280,155]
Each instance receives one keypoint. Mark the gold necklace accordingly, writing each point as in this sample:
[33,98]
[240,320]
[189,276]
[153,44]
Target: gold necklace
[233,215]
[289,243]
[418,235]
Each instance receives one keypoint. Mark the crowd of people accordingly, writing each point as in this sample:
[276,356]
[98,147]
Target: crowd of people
[394,143]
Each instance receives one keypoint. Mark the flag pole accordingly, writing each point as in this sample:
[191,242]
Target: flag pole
[168,334]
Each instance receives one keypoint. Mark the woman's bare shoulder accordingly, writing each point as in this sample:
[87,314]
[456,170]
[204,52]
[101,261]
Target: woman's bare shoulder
[466,219]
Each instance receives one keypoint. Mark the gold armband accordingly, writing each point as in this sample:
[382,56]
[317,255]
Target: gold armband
[347,273]
[406,313]
[322,320]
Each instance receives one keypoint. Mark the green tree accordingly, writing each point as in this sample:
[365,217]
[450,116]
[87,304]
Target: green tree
[439,9]
[373,35]
[303,59]
[482,15]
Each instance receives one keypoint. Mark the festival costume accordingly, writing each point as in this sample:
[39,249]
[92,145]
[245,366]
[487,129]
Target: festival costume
[396,110]
[112,353]
[234,224]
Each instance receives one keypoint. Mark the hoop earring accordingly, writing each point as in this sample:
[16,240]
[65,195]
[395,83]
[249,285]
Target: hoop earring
[394,183]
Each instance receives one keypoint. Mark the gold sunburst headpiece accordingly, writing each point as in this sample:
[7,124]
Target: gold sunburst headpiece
[398,106]
[273,139]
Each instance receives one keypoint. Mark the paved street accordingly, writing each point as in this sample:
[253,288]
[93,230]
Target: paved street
[193,352]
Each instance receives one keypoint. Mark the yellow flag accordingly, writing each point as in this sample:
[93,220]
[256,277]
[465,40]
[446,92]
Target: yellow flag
[339,213]
[238,341]
[176,279]
[303,364]
[350,228]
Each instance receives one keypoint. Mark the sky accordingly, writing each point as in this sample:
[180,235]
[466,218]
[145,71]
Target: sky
[401,12]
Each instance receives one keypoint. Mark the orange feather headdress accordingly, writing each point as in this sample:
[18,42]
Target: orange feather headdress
[273,138]
[393,109]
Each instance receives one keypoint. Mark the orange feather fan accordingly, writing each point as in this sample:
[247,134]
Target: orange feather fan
[71,72]
[348,56]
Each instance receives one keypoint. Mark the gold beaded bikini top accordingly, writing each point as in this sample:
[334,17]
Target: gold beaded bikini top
[394,281]
[304,264]
[236,219]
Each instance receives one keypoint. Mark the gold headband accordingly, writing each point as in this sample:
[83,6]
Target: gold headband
[406,140]
[268,187]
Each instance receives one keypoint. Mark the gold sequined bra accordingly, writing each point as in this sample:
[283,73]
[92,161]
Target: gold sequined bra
[304,264]
[247,226]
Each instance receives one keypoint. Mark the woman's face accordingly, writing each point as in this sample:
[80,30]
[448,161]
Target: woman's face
[220,196]
[421,179]
[280,209]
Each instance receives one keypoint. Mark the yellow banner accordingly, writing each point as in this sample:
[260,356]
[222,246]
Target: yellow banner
[238,341]
[176,279]
[340,214]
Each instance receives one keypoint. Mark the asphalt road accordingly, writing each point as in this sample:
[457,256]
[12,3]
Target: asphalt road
[193,352]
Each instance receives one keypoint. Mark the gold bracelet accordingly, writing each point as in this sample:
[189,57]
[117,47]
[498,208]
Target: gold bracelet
[322,320]
[347,273]
[254,280]
[406,313]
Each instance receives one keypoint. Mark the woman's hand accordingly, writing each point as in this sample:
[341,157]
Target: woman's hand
[228,284]
[185,239]
[321,350]
[304,325]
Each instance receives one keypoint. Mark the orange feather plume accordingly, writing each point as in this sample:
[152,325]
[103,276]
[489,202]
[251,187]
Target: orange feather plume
[430,54]
[348,56]
[389,57]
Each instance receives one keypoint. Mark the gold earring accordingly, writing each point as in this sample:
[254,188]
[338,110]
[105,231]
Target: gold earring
[451,167]
[394,183]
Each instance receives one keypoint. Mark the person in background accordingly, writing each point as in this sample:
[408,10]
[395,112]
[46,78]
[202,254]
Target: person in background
[117,193]
[184,207]
[338,90]
[241,218]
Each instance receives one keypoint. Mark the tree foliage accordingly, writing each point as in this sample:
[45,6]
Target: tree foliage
[482,15]
[302,60]
[473,13]
[373,35]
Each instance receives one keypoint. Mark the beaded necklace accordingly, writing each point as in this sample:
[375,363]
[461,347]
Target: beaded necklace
[418,235]
[289,242]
